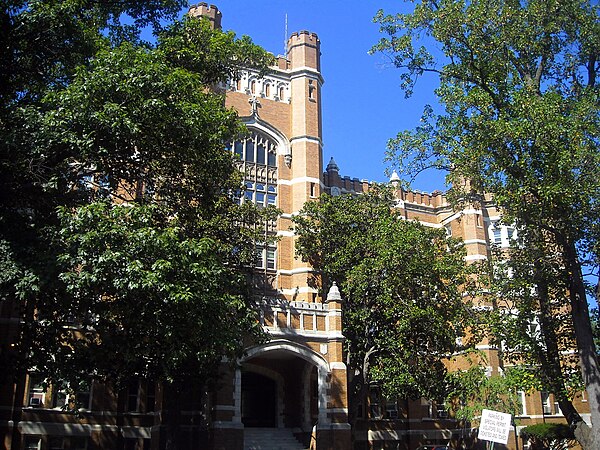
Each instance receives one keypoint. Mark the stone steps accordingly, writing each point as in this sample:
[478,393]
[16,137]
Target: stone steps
[270,439]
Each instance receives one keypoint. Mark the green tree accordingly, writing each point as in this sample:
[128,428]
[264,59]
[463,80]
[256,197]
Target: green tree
[121,238]
[518,83]
[402,285]
[595,318]
[551,436]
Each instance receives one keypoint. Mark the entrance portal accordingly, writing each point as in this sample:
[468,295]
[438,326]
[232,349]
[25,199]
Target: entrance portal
[259,400]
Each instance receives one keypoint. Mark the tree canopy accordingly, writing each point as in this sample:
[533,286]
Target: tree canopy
[518,83]
[123,245]
[402,285]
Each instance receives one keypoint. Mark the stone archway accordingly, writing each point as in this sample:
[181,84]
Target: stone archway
[290,366]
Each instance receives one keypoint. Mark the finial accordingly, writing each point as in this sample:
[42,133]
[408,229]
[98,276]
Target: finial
[334,293]
[394,179]
[332,166]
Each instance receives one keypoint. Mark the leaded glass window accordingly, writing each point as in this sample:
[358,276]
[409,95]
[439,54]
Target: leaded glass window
[257,160]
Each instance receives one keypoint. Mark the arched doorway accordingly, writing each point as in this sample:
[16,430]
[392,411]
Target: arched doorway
[282,384]
[259,400]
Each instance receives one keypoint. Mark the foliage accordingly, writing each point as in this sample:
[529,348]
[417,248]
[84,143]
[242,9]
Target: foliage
[518,83]
[532,323]
[402,285]
[472,390]
[119,236]
[145,297]
[595,319]
[547,435]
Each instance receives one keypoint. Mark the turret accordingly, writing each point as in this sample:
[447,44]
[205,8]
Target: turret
[304,50]
[211,12]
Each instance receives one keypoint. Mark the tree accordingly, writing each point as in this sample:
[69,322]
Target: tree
[551,436]
[595,318]
[123,243]
[518,83]
[402,285]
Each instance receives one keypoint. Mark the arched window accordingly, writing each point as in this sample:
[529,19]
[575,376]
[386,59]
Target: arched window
[253,87]
[257,160]
[268,90]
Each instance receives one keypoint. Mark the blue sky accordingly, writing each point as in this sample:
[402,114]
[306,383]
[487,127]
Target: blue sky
[363,105]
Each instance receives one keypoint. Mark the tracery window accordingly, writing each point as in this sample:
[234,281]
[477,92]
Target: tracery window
[257,160]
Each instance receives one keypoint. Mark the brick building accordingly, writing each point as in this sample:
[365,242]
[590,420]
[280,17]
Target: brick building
[297,382]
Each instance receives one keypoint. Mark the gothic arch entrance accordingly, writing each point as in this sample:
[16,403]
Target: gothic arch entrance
[282,384]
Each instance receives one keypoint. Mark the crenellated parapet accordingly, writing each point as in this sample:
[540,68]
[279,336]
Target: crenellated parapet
[304,50]
[211,12]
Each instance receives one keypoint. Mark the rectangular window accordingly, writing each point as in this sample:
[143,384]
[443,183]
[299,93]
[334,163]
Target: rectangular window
[497,235]
[440,410]
[270,258]
[521,402]
[391,409]
[249,151]
[239,149]
[60,397]
[133,391]
[557,410]
[150,396]
[37,392]
[83,396]
[375,411]
[32,443]
[260,199]
[271,199]
[271,158]
[511,233]
[546,405]
[260,261]
[260,154]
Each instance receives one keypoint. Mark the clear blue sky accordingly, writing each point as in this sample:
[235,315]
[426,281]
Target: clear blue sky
[363,105]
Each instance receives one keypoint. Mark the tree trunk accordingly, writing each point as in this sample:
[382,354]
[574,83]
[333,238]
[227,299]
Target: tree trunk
[590,368]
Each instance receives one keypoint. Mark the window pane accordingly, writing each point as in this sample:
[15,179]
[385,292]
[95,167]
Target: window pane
[260,154]
[249,151]
[270,259]
[239,149]
[260,199]
[32,443]
[132,395]
[497,236]
[271,199]
[36,391]
[260,257]
[271,159]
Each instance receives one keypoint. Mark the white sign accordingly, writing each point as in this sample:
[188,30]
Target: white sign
[494,426]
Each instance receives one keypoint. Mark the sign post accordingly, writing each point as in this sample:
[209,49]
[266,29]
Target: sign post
[494,426]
